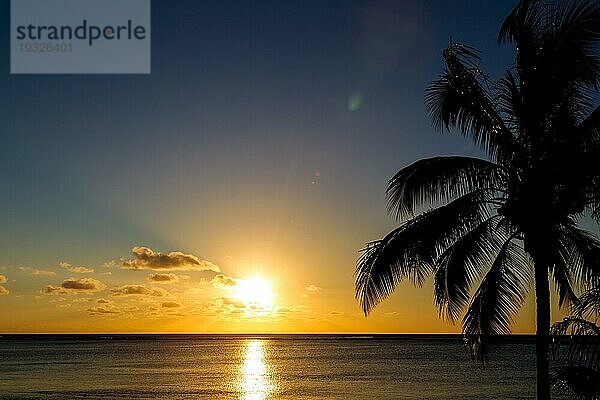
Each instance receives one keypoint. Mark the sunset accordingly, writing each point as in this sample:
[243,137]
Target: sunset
[300,199]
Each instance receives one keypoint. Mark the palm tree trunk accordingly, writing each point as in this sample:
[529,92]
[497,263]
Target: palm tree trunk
[542,344]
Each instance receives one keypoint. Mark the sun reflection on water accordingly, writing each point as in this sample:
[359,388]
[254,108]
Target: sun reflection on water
[255,380]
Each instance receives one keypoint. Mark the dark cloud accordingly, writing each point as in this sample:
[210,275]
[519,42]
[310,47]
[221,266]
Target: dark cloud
[146,258]
[73,285]
[138,290]
[83,284]
[163,278]
[171,304]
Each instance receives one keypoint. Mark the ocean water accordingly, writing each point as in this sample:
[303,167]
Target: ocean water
[260,368]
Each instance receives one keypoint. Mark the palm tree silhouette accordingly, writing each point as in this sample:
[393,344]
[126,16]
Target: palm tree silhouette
[577,348]
[486,228]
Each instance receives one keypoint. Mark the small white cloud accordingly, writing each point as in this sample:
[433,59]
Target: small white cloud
[313,288]
[83,300]
[37,272]
[76,270]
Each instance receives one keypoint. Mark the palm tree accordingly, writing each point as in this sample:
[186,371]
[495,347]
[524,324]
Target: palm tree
[485,229]
[577,348]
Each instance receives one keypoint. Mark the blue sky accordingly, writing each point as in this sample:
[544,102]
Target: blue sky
[241,93]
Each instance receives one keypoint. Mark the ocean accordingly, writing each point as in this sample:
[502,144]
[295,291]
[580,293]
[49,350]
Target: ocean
[259,368]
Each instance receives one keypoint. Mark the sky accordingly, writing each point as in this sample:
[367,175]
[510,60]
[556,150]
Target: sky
[231,189]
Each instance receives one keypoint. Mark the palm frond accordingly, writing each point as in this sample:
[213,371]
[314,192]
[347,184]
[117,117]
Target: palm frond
[589,302]
[591,125]
[575,326]
[576,28]
[436,180]
[564,283]
[561,253]
[577,381]
[522,22]
[576,344]
[410,251]
[461,265]
[510,101]
[595,202]
[581,253]
[461,98]
[497,300]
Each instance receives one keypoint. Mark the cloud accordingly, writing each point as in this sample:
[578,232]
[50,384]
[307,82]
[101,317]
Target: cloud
[222,281]
[3,291]
[51,289]
[171,304]
[37,272]
[102,301]
[138,290]
[83,300]
[3,278]
[76,270]
[83,284]
[102,310]
[163,278]
[313,288]
[146,258]
[228,304]
[73,285]
[177,315]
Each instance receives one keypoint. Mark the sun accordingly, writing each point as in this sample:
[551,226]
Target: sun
[255,293]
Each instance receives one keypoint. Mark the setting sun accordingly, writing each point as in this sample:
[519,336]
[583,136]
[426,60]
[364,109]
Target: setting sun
[255,293]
